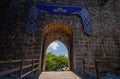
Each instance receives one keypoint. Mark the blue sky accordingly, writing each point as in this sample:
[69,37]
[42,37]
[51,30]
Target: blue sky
[57,48]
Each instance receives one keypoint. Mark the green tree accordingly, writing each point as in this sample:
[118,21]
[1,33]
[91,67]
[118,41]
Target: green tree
[54,62]
[62,61]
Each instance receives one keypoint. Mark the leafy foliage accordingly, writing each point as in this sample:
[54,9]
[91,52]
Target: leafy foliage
[54,62]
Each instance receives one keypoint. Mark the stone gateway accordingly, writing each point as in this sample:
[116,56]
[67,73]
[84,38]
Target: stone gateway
[90,31]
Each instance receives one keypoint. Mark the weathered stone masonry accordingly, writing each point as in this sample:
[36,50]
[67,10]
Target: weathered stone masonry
[104,44]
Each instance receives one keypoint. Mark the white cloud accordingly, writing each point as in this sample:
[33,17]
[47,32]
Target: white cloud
[54,45]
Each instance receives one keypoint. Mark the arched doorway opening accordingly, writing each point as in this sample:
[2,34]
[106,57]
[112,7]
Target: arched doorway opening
[56,57]
[63,33]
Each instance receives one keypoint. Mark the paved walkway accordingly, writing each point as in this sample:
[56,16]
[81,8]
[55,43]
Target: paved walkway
[59,75]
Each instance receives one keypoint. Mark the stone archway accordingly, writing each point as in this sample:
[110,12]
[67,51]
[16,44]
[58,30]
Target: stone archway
[63,33]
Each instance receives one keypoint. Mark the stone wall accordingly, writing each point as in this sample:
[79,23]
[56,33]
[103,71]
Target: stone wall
[104,44]
[13,35]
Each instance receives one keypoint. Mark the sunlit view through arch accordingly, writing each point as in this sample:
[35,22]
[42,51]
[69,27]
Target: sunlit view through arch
[56,57]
